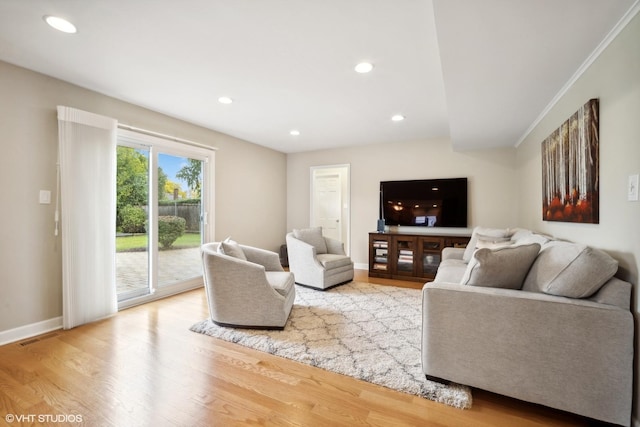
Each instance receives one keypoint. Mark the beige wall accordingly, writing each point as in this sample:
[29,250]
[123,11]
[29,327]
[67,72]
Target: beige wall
[614,78]
[491,177]
[250,187]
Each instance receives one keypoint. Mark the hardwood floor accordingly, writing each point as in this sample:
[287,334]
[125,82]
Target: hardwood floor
[143,367]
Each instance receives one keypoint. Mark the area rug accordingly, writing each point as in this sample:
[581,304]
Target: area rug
[366,331]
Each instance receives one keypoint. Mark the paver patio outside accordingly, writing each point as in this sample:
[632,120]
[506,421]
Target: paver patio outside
[173,266]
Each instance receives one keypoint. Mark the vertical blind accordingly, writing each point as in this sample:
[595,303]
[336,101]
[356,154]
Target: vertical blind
[87,159]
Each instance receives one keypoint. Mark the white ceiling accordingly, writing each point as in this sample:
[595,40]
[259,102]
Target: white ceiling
[479,72]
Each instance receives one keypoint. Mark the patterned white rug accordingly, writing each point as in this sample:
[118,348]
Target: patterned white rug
[366,331]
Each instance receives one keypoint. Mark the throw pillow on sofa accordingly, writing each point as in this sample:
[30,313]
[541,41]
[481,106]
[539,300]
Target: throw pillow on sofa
[493,242]
[231,248]
[570,270]
[500,268]
[523,236]
[485,234]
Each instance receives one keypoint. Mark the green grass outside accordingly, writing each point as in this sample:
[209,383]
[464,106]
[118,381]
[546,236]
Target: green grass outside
[138,242]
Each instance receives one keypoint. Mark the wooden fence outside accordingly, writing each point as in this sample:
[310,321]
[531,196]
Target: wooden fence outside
[190,212]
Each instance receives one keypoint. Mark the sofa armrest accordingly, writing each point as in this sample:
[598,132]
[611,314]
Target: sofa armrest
[268,259]
[571,354]
[301,254]
[452,253]
[614,292]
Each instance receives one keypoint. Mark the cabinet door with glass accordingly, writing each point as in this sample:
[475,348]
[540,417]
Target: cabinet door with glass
[379,246]
[430,250]
[404,255]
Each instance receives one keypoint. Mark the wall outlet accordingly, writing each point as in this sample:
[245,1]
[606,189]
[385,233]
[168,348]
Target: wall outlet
[632,188]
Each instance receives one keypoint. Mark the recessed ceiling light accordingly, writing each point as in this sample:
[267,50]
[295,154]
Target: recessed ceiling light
[364,67]
[294,132]
[225,100]
[60,24]
[397,118]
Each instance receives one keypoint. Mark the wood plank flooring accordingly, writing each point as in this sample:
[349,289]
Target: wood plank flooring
[143,367]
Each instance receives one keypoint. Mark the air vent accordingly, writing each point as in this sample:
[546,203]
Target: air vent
[40,338]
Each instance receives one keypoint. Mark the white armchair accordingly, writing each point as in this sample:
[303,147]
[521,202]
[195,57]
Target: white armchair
[246,286]
[316,261]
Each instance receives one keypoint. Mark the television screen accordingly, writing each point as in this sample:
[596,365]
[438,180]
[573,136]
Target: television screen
[425,202]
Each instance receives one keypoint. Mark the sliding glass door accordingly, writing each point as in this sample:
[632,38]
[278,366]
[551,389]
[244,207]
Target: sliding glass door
[179,208]
[132,220]
[162,193]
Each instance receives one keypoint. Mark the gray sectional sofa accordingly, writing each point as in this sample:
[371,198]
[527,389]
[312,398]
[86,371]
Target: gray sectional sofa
[535,318]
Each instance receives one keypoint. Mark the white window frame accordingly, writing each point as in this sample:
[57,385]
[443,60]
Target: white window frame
[157,144]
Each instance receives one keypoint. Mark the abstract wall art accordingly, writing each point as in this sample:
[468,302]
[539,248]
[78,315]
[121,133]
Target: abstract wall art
[570,169]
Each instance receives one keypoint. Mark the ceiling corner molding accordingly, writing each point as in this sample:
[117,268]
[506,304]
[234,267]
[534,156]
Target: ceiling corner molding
[617,29]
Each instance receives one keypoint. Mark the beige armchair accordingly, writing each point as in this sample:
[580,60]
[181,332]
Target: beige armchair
[246,287]
[316,261]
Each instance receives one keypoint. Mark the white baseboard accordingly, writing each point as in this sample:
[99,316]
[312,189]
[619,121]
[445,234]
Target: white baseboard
[28,331]
[360,266]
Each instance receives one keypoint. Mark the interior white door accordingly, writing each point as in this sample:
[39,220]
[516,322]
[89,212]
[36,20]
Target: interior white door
[330,201]
[327,205]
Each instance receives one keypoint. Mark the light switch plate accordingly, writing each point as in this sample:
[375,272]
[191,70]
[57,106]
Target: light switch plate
[632,188]
[45,197]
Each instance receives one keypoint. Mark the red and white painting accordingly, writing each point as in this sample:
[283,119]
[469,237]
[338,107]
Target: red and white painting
[570,169]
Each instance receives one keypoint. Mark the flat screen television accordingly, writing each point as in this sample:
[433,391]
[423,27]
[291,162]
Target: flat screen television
[424,202]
